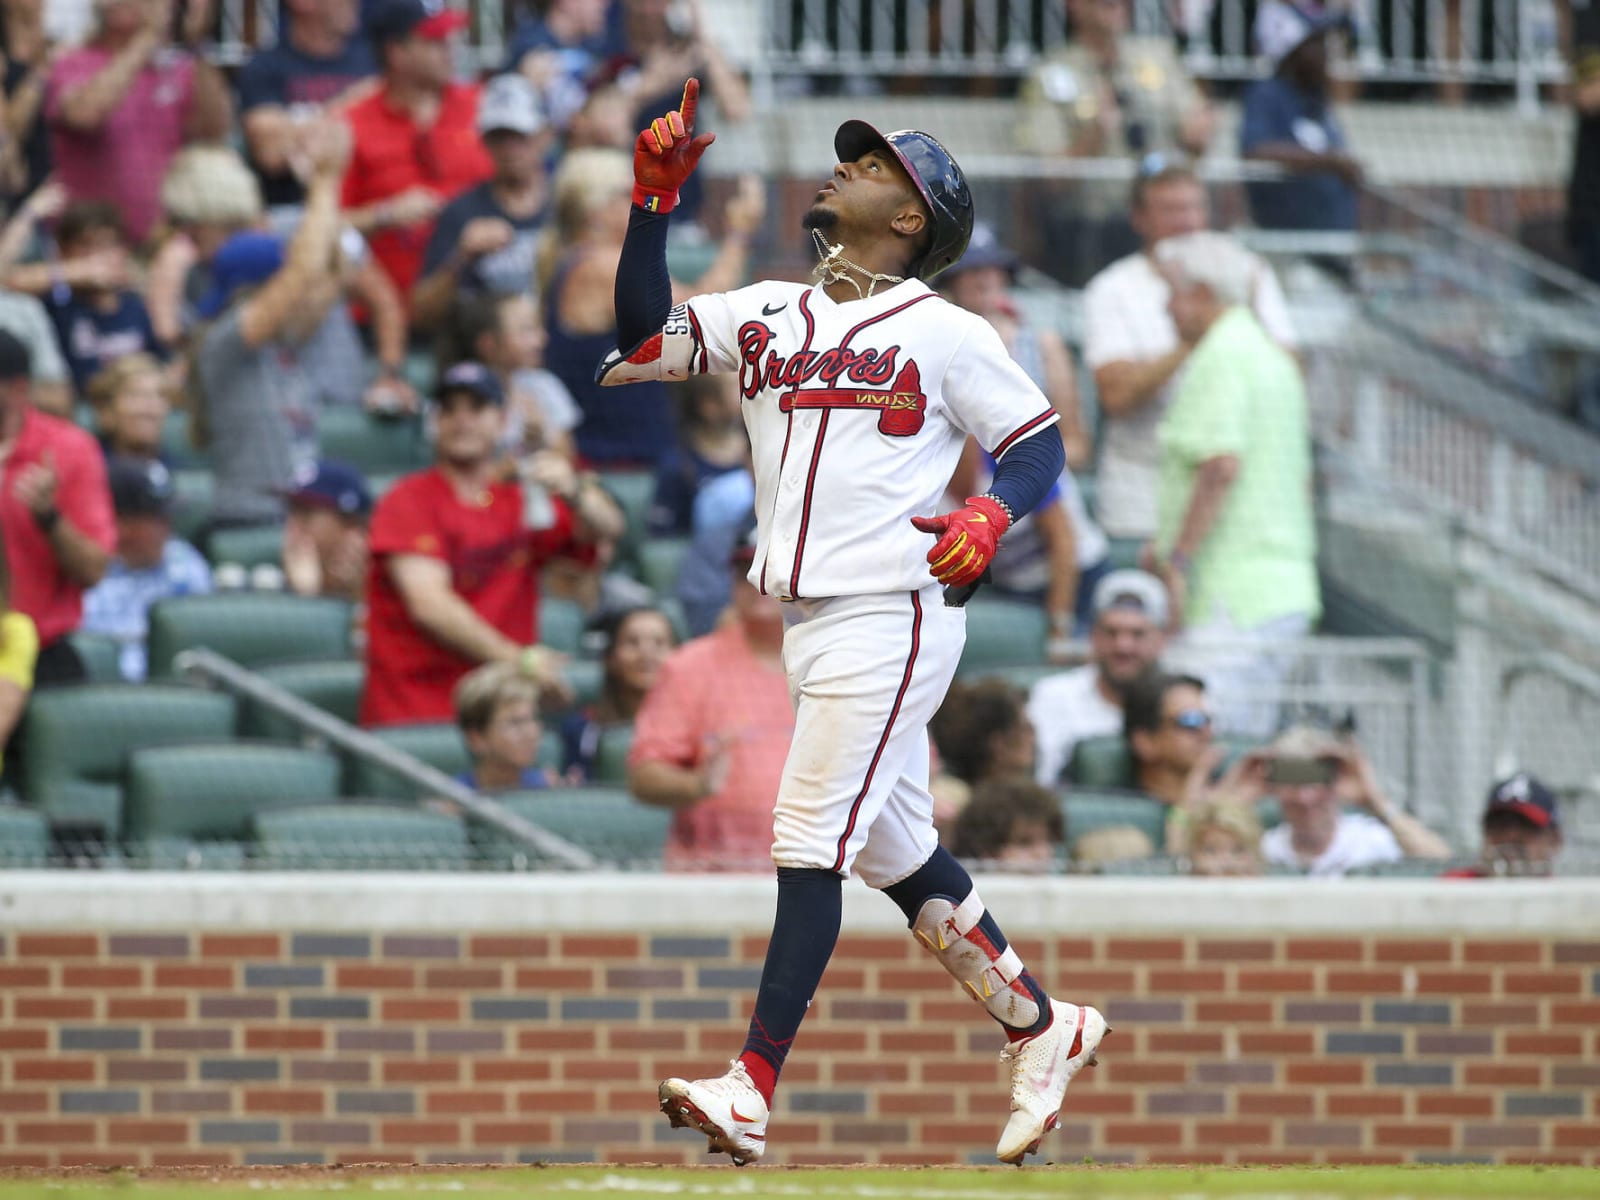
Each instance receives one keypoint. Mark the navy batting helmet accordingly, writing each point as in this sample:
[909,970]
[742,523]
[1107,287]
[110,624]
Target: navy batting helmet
[937,178]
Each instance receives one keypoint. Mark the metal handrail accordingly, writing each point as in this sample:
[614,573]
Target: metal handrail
[1549,663]
[208,666]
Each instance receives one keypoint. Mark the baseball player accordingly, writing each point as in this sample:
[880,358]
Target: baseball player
[858,393]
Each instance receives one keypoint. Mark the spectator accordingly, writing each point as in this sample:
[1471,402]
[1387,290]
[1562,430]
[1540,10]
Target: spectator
[497,708]
[416,143]
[485,239]
[1109,847]
[1125,640]
[1223,839]
[150,564]
[325,535]
[55,516]
[1521,831]
[1236,539]
[99,316]
[456,551]
[28,49]
[1010,825]
[1583,187]
[1135,352]
[713,734]
[320,63]
[577,272]
[711,441]
[636,643]
[22,315]
[1288,120]
[122,105]
[983,734]
[256,404]
[560,48]
[1315,778]
[19,653]
[1168,732]
[131,408]
[723,507]
[506,335]
[1109,96]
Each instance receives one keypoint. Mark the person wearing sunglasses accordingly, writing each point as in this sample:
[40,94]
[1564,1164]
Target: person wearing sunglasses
[1167,728]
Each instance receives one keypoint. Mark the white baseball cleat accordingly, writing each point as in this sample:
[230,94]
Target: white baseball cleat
[1041,1068]
[728,1110]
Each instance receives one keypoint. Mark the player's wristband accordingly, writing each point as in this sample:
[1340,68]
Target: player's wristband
[653,200]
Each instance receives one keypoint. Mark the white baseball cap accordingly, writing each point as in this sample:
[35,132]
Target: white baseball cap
[1282,27]
[1136,591]
[510,102]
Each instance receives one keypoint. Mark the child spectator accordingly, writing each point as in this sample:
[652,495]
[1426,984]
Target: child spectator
[149,565]
[1010,825]
[131,407]
[1223,838]
[711,441]
[325,535]
[497,708]
[98,316]
[637,642]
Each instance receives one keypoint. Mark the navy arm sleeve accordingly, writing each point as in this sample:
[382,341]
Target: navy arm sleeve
[1028,471]
[643,296]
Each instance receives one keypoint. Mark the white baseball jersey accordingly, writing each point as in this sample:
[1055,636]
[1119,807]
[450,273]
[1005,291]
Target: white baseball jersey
[857,413]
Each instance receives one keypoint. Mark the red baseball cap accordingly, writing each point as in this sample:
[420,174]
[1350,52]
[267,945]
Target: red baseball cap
[432,19]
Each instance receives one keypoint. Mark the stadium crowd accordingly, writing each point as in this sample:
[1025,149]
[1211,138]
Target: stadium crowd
[211,270]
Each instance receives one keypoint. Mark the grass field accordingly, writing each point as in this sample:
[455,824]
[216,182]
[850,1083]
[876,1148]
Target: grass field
[860,1183]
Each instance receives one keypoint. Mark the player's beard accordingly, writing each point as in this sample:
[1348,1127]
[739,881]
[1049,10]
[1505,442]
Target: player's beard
[820,218]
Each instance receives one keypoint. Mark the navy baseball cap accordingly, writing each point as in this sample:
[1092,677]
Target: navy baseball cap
[328,483]
[984,250]
[1525,797]
[140,487]
[473,378]
[245,260]
[396,19]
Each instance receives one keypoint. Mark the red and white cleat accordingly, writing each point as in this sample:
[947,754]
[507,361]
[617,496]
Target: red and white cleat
[1041,1068]
[728,1110]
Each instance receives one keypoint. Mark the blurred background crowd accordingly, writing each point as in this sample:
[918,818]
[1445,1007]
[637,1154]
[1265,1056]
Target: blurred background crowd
[300,305]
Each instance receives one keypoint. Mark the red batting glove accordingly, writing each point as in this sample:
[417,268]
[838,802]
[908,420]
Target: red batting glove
[967,541]
[665,154]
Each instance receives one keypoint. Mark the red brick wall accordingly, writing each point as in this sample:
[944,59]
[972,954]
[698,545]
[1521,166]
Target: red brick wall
[266,1047]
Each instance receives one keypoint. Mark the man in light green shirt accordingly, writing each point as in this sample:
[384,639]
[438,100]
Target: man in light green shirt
[1236,536]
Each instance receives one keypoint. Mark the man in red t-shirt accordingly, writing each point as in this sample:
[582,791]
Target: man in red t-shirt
[416,136]
[56,521]
[456,552]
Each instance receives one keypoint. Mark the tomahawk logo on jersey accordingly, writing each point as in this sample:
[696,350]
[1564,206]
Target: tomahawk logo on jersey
[873,399]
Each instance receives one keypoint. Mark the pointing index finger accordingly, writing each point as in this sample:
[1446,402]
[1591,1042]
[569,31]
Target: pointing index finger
[691,101]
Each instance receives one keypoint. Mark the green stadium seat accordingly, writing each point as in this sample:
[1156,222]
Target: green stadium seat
[561,624]
[333,686]
[421,370]
[215,791]
[194,488]
[360,837]
[611,759]
[587,676]
[163,853]
[1021,678]
[606,821]
[659,559]
[1088,809]
[551,750]
[251,628]
[101,655]
[1002,633]
[177,445]
[1124,552]
[439,745]
[24,837]
[1101,762]
[370,443]
[246,545]
[634,492]
[79,738]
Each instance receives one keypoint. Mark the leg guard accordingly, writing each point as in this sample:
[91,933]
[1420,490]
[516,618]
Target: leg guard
[992,977]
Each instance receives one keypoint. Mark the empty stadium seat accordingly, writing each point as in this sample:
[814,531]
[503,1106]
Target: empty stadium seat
[246,545]
[176,445]
[611,759]
[439,745]
[79,738]
[658,560]
[213,792]
[100,653]
[587,676]
[370,443]
[24,837]
[1002,633]
[194,488]
[1101,762]
[360,836]
[561,624]
[1088,809]
[252,628]
[333,686]
[606,821]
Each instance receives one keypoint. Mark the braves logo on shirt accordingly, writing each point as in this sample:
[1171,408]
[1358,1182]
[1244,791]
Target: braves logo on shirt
[902,408]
